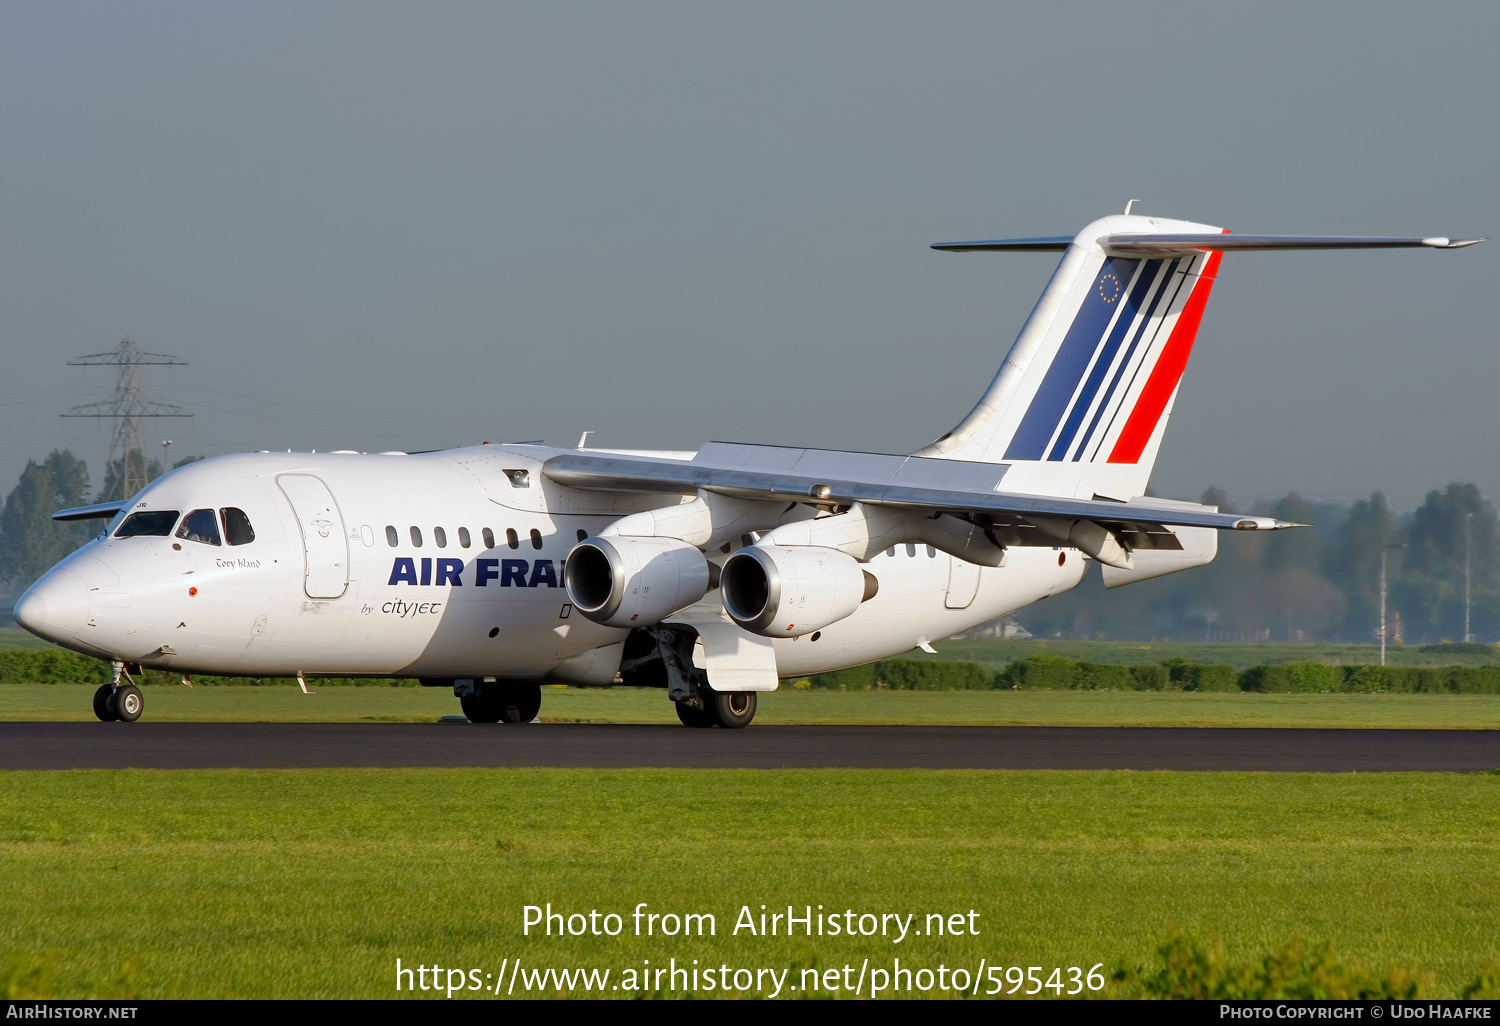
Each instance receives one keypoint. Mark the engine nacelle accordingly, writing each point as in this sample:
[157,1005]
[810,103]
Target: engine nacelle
[786,591]
[634,582]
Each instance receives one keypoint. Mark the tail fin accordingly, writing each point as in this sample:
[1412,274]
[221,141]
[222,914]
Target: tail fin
[1079,406]
[1083,397]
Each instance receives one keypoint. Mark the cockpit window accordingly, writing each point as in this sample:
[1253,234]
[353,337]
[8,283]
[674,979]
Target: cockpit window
[237,529]
[200,526]
[150,523]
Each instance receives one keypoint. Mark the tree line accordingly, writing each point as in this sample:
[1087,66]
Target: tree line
[30,540]
[1320,583]
[1311,584]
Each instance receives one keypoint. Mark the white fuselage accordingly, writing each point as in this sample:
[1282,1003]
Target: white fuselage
[437,565]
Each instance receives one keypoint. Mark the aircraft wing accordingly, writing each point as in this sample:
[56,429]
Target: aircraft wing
[835,478]
[98,511]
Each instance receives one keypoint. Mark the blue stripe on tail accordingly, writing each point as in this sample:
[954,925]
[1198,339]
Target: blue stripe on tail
[1133,305]
[1072,360]
[1167,290]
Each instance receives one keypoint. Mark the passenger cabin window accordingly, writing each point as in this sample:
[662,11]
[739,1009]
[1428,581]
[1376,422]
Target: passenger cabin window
[463,537]
[151,523]
[536,538]
[511,538]
[489,538]
[237,529]
[200,526]
[392,537]
[440,536]
[416,537]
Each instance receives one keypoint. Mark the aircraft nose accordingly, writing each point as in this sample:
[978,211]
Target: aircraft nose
[56,606]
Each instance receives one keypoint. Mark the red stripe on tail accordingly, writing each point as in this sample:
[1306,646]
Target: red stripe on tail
[1167,373]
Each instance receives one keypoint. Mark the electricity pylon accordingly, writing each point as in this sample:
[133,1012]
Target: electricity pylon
[128,407]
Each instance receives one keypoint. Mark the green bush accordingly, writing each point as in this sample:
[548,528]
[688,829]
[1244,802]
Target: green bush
[1200,677]
[1413,680]
[1040,672]
[1293,678]
[906,675]
[1103,677]
[1294,973]
[58,666]
[50,666]
[1151,678]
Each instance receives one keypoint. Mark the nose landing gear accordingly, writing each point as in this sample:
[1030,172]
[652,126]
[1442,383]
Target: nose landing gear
[118,701]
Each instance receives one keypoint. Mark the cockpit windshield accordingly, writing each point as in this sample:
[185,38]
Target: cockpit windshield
[150,523]
[200,526]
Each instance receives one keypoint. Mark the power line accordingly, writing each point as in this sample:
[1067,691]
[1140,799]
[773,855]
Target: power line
[127,406]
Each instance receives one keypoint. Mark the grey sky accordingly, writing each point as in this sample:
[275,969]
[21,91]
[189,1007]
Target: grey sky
[384,226]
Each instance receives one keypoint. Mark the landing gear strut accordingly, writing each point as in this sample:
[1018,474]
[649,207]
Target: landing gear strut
[499,701]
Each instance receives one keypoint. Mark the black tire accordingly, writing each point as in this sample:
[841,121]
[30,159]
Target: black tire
[694,717]
[102,705]
[506,701]
[731,710]
[520,700]
[481,707]
[128,703]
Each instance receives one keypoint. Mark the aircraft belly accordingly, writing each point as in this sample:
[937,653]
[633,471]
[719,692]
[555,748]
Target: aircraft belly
[911,606]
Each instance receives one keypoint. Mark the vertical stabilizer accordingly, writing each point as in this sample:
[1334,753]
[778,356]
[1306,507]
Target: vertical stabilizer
[1081,401]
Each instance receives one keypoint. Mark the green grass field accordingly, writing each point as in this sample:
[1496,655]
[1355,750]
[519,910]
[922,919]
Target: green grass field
[312,883]
[345,704]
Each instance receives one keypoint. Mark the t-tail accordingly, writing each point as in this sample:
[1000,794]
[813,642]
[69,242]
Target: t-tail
[1081,402]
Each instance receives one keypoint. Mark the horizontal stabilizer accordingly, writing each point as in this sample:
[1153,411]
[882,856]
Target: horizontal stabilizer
[1159,245]
[1051,244]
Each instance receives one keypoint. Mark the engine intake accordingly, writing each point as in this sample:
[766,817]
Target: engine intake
[784,591]
[634,582]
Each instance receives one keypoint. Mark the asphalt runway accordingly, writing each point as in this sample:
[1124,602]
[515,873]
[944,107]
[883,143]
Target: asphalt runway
[306,745]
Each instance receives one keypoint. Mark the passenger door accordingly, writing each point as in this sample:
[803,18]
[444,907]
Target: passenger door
[323,539]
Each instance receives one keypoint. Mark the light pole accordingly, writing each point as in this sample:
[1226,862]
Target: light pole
[1468,537]
[1383,553]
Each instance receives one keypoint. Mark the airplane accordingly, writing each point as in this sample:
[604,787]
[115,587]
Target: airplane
[711,574]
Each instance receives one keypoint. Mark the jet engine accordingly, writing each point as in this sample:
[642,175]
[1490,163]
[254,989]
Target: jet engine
[634,582]
[786,591]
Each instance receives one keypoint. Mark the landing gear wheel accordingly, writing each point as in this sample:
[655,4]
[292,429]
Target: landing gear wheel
[103,707]
[128,703]
[731,709]
[481,707]
[694,717]
[506,701]
[520,700]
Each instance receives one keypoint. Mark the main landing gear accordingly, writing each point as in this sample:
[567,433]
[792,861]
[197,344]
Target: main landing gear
[499,701]
[729,709]
[118,701]
[661,656]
